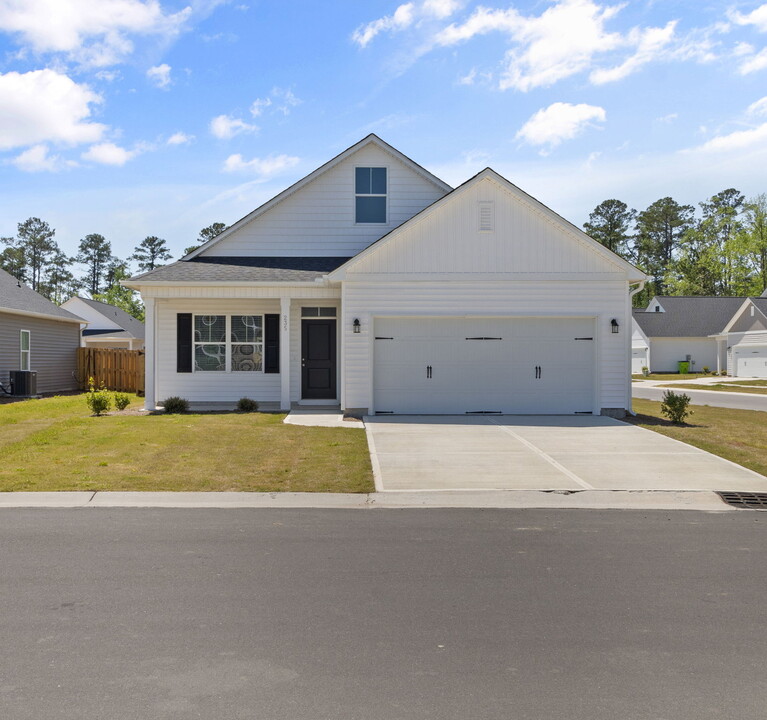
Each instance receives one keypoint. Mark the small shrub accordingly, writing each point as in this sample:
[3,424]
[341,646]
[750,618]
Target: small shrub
[645,371]
[675,406]
[247,405]
[706,370]
[99,400]
[122,400]
[176,404]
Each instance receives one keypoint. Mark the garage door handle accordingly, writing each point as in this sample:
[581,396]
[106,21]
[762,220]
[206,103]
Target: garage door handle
[428,372]
[537,372]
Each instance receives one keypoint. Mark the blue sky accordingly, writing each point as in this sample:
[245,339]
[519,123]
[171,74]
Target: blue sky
[137,117]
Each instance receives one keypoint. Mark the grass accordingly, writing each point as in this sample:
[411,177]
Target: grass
[737,435]
[670,376]
[55,444]
[718,386]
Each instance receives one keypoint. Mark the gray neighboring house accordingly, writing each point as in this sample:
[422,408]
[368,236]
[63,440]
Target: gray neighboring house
[108,326]
[676,327]
[37,335]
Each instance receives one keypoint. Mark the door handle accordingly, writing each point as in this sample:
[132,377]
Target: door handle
[428,372]
[303,362]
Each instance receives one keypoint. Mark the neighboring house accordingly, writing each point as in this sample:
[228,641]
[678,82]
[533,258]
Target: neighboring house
[372,285]
[746,339]
[640,349]
[108,326]
[37,335]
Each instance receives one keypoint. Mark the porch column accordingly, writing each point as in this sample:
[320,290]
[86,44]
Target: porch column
[719,346]
[149,370]
[284,353]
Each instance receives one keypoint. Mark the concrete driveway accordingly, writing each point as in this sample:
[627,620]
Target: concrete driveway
[541,453]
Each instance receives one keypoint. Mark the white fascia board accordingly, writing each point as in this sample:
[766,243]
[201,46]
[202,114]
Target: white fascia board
[181,283]
[746,303]
[573,277]
[295,187]
[632,273]
[636,326]
[43,316]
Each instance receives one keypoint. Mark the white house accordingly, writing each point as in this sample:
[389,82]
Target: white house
[372,285]
[107,326]
[640,348]
[746,339]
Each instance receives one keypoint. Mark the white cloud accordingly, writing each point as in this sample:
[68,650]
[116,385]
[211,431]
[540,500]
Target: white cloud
[757,18]
[284,100]
[754,63]
[36,159]
[225,127]
[665,119]
[558,122]
[401,18]
[264,167]
[108,154]
[758,108]
[159,75]
[259,105]
[440,8]
[649,45]
[92,32]
[45,106]
[180,138]
[735,141]
[469,78]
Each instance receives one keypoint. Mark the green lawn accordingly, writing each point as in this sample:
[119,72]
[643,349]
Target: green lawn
[738,435]
[754,390]
[670,376]
[55,444]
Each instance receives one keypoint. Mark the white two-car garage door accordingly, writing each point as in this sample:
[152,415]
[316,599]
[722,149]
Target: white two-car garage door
[750,361]
[484,365]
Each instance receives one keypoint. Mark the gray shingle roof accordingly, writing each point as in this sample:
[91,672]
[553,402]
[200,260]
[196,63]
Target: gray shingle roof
[688,316]
[17,296]
[134,328]
[244,269]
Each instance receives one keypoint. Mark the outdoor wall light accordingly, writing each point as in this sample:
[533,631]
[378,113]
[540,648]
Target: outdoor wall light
[614,326]
[356,325]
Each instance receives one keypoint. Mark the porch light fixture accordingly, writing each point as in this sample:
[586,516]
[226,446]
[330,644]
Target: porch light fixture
[614,326]
[356,325]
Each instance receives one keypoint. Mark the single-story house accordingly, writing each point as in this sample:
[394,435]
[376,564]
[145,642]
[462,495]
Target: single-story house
[37,335]
[679,328]
[108,326]
[746,339]
[373,285]
[640,349]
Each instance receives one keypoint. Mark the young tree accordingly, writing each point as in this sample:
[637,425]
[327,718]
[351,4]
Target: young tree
[207,233]
[35,238]
[95,252]
[660,229]
[150,253]
[120,296]
[610,224]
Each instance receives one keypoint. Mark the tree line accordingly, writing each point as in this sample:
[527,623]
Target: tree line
[722,250]
[34,257]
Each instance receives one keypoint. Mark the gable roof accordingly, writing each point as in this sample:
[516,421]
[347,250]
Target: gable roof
[689,316]
[371,139]
[221,268]
[133,327]
[19,299]
[759,303]
[634,273]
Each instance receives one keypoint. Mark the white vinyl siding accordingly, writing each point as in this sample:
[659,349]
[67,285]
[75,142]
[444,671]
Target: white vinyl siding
[318,220]
[747,351]
[602,301]
[666,353]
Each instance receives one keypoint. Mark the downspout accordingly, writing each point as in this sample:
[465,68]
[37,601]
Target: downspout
[630,316]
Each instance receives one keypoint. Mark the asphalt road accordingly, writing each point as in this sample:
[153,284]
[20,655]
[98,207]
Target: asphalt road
[714,398]
[381,614]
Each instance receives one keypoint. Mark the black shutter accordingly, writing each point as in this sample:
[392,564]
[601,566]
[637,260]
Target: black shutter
[271,343]
[184,342]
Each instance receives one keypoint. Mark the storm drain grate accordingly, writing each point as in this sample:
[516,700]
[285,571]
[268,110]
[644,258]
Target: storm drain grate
[748,500]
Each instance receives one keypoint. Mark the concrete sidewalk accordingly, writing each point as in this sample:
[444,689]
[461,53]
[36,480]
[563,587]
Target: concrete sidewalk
[579,499]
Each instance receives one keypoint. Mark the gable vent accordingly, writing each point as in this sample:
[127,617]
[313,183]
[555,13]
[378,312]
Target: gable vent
[486,216]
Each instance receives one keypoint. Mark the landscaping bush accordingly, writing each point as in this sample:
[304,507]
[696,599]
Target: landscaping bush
[99,400]
[645,371]
[247,405]
[122,400]
[176,404]
[706,370]
[675,406]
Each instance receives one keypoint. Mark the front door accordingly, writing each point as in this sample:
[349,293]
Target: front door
[318,359]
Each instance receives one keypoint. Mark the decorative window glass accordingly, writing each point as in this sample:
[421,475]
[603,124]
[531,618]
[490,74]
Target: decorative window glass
[310,312]
[370,194]
[25,348]
[247,342]
[210,342]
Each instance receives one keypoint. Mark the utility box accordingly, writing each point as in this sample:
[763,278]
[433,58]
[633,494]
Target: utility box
[23,383]
[684,367]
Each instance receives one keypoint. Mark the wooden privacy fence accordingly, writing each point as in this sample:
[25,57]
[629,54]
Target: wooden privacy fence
[117,369]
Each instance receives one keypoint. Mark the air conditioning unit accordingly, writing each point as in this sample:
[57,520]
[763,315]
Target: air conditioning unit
[23,383]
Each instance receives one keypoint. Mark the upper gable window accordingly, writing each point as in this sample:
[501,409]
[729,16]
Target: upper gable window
[370,195]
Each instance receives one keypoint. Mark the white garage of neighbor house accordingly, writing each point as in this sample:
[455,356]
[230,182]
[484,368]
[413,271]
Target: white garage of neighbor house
[640,349]
[746,338]
[372,285]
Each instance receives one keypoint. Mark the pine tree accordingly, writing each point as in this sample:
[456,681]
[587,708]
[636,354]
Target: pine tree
[610,224]
[207,233]
[35,238]
[150,253]
[95,252]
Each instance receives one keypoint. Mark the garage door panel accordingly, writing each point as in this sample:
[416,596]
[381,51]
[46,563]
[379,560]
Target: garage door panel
[750,361]
[464,365]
